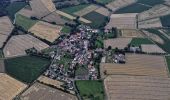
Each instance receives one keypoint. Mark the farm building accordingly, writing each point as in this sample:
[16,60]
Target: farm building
[137,64]
[151,48]
[120,43]
[6,28]
[46,31]
[123,87]
[9,87]
[17,45]
[42,92]
[42,8]
[123,21]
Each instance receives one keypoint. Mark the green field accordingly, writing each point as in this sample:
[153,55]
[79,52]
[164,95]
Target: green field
[168,62]
[151,2]
[166,45]
[26,68]
[73,9]
[104,1]
[1,54]
[14,7]
[97,19]
[140,41]
[24,22]
[165,20]
[134,8]
[91,90]
[66,29]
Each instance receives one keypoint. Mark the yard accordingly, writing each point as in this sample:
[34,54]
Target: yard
[14,7]
[91,90]
[97,19]
[24,22]
[140,41]
[26,68]
[168,62]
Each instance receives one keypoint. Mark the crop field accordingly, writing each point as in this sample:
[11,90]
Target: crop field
[46,31]
[24,22]
[1,53]
[40,91]
[168,62]
[167,31]
[73,9]
[123,87]
[134,8]
[103,11]
[97,19]
[140,41]
[91,89]
[104,1]
[165,21]
[14,7]
[2,66]
[66,29]
[151,2]
[150,23]
[26,68]
[9,87]
[137,64]
[131,33]
[165,45]
[152,48]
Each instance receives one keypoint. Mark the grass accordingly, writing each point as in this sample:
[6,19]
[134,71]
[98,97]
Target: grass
[24,22]
[140,41]
[26,68]
[164,46]
[97,19]
[99,43]
[104,1]
[168,62]
[73,9]
[14,7]
[90,90]
[81,71]
[165,21]
[134,8]
[151,2]
[66,29]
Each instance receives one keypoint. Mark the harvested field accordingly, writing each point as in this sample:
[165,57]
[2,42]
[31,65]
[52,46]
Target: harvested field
[156,11]
[2,66]
[26,11]
[9,87]
[42,92]
[151,48]
[120,43]
[123,21]
[17,45]
[117,4]
[103,11]
[151,23]
[26,68]
[122,87]
[139,65]
[6,28]
[46,31]
[42,8]
[131,33]
[86,10]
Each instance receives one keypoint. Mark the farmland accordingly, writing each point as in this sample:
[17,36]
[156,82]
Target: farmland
[122,87]
[165,21]
[26,68]
[97,19]
[131,33]
[151,2]
[14,7]
[24,22]
[91,90]
[104,1]
[140,41]
[168,62]
[1,54]
[66,29]
[9,87]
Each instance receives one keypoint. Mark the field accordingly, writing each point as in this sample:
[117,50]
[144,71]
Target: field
[140,41]
[167,31]
[46,31]
[134,8]
[17,45]
[165,21]
[9,87]
[14,7]
[131,33]
[104,1]
[152,48]
[2,66]
[40,91]
[168,62]
[24,22]
[136,64]
[26,68]
[1,54]
[91,90]
[66,29]
[97,19]
[151,2]
[165,46]
[123,87]
[73,9]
